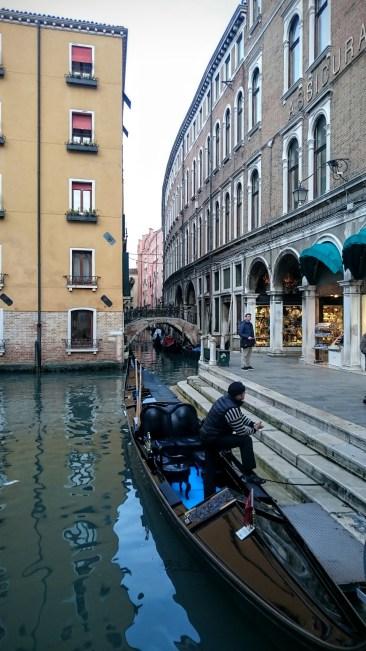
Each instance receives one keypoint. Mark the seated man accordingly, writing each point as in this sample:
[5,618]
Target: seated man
[224,428]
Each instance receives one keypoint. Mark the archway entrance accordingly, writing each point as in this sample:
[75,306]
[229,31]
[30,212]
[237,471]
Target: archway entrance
[259,283]
[287,279]
[191,306]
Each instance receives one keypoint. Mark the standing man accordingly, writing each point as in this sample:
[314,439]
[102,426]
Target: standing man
[247,341]
[225,427]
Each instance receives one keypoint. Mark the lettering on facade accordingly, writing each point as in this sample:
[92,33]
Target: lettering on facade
[335,62]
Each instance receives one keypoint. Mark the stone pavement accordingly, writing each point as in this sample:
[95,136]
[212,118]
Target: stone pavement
[335,391]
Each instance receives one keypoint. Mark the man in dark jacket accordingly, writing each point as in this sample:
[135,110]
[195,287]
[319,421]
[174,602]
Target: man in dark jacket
[224,428]
[247,341]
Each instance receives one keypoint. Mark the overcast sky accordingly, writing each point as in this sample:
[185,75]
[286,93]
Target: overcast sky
[170,43]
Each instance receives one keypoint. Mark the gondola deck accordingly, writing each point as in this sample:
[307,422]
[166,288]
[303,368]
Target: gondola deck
[273,568]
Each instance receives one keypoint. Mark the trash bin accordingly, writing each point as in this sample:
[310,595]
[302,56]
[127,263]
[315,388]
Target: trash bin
[223,357]
[206,354]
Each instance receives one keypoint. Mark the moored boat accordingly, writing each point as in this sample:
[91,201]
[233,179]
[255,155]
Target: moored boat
[240,531]
[171,345]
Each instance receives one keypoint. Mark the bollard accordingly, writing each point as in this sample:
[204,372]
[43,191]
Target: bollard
[212,346]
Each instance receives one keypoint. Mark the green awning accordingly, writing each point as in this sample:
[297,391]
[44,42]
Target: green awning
[325,253]
[354,254]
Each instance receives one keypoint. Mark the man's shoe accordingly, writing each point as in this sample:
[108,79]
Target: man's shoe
[251,368]
[245,368]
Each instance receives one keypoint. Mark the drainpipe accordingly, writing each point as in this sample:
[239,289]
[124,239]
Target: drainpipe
[38,347]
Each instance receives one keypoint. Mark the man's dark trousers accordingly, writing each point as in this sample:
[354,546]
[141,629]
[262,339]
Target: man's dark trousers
[244,443]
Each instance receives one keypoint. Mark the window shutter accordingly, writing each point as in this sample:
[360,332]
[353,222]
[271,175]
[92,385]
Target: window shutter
[82,121]
[82,54]
[77,185]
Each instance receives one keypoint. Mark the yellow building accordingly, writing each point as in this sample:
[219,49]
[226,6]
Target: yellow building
[61,189]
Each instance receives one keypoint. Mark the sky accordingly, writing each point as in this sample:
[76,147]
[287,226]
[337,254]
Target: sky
[170,43]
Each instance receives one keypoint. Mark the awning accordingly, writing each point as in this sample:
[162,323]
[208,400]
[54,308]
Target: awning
[325,253]
[82,54]
[82,121]
[354,254]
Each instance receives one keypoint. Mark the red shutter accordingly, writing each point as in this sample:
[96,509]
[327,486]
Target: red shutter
[79,185]
[82,121]
[82,54]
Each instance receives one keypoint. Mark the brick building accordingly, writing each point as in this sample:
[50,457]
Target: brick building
[61,225]
[265,184]
[150,269]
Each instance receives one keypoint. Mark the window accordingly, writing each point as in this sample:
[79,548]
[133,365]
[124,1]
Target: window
[217,86]
[216,281]
[208,98]
[82,329]
[194,130]
[217,315]
[227,217]
[82,267]
[82,61]
[321,25]
[256,10]
[194,179]
[217,145]
[255,97]
[200,238]
[208,155]
[194,242]
[238,275]
[226,278]
[208,283]
[81,128]
[255,199]
[239,204]
[294,63]
[320,156]
[227,131]
[200,169]
[200,119]
[239,117]
[239,49]
[208,229]
[227,68]
[292,173]
[82,196]
[187,186]
[217,224]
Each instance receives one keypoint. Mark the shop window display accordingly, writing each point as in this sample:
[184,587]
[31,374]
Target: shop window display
[262,327]
[328,331]
[292,325]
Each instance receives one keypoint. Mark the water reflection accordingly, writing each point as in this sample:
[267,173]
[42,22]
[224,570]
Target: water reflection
[81,410]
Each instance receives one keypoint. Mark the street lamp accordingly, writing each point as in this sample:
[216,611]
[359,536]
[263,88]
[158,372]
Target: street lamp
[300,194]
[338,167]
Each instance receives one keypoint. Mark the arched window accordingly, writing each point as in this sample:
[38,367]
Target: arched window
[239,117]
[217,145]
[194,242]
[321,25]
[200,169]
[294,63]
[227,131]
[227,217]
[320,156]
[200,235]
[239,204]
[194,178]
[187,186]
[256,10]
[208,229]
[217,224]
[255,97]
[292,173]
[208,155]
[255,199]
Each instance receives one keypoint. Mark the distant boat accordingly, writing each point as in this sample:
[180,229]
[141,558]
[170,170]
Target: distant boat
[194,351]
[171,345]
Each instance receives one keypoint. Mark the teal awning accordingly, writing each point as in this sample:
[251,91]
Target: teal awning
[354,254]
[325,253]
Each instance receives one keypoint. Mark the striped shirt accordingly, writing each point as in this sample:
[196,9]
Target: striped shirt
[239,423]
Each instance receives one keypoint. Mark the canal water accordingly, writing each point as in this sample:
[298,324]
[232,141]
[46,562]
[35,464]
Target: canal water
[87,559]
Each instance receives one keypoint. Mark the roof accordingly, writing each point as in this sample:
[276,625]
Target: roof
[218,55]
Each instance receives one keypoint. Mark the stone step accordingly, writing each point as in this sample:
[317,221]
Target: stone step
[296,481]
[330,446]
[323,420]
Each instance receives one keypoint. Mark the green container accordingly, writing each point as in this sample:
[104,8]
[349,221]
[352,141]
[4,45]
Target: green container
[206,354]
[223,357]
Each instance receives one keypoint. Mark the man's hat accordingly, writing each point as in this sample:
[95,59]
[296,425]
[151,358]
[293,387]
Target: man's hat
[235,389]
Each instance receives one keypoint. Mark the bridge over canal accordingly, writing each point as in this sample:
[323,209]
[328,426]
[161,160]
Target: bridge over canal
[138,320]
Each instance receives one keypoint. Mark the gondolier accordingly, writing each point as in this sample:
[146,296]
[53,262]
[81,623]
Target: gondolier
[226,427]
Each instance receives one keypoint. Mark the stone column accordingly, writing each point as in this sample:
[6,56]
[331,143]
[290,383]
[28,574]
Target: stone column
[250,301]
[351,322]
[212,347]
[309,319]
[276,323]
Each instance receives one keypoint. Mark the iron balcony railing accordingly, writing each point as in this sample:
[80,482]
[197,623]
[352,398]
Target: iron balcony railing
[81,79]
[82,344]
[82,281]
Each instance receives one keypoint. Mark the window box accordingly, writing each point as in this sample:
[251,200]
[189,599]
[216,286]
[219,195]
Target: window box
[81,79]
[2,213]
[82,282]
[83,146]
[2,347]
[2,140]
[90,216]
[2,71]
[82,346]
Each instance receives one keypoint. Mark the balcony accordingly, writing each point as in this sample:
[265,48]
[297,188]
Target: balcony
[82,282]
[81,79]
[2,280]
[82,346]
[2,347]
[84,145]
[87,216]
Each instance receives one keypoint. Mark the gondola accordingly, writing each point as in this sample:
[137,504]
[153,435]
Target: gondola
[171,345]
[240,531]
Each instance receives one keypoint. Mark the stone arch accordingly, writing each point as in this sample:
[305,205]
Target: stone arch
[190,294]
[189,330]
[258,276]
[287,274]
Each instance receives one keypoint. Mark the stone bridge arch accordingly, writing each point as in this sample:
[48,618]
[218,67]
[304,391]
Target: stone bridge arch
[189,330]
